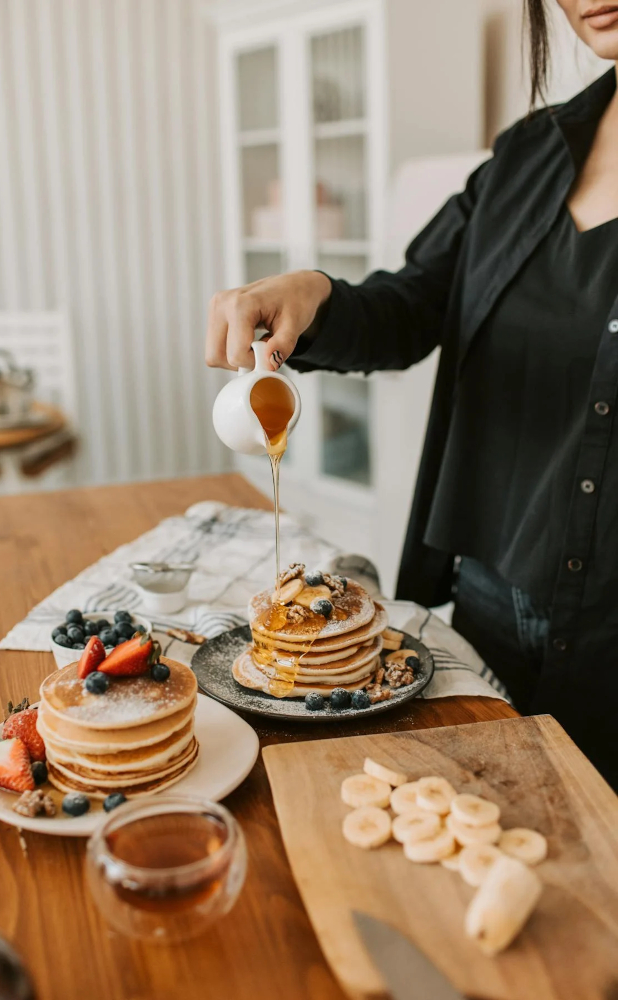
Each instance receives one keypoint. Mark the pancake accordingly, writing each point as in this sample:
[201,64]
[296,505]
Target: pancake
[353,609]
[320,646]
[65,784]
[149,757]
[129,702]
[126,777]
[74,737]
[350,664]
[247,673]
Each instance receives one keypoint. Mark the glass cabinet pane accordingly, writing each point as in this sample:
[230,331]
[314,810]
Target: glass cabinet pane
[338,75]
[261,192]
[353,267]
[345,408]
[258,106]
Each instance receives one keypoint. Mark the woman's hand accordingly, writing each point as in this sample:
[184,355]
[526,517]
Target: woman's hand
[286,305]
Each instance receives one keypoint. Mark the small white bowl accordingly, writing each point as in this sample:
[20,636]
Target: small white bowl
[63,655]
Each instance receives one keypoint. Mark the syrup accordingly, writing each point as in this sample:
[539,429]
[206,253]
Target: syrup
[161,845]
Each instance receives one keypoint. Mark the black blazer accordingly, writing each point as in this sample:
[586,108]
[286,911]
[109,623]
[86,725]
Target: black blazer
[454,272]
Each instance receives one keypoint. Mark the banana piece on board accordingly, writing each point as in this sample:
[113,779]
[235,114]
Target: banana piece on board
[502,905]
[432,849]
[417,824]
[476,861]
[403,798]
[391,638]
[394,778]
[364,790]
[452,862]
[367,827]
[525,845]
[474,810]
[467,835]
[435,794]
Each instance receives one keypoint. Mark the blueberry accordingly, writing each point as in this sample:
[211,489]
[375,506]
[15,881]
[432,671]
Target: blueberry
[39,772]
[79,645]
[159,672]
[102,624]
[125,630]
[74,617]
[411,662]
[343,581]
[314,578]
[314,702]
[63,640]
[123,616]
[113,801]
[76,803]
[140,629]
[108,636]
[75,634]
[90,628]
[339,698]
[61,630]
[322,606]
[360,699]
[96,682]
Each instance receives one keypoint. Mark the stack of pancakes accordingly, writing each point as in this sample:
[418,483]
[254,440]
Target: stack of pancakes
[137,738]
[291,659]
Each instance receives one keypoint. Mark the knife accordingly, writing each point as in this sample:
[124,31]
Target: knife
[407,972]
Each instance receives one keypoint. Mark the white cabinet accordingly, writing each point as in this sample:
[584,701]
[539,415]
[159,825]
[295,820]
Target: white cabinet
[306,129]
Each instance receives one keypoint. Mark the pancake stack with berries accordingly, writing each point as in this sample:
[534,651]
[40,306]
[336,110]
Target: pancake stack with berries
[118,723]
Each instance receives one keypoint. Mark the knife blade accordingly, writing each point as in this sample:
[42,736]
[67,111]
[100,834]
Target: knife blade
[407,972]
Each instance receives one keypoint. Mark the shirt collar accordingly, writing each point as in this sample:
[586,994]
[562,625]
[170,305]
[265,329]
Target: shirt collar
[590,104]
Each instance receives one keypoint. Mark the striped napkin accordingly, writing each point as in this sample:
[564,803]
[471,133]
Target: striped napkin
[233,552]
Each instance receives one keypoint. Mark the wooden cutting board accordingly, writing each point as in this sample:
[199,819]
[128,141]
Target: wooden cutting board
[569,949]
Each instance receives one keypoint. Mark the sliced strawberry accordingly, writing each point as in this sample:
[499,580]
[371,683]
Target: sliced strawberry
[15,767]
[131,658]
[93,655]
[21,723]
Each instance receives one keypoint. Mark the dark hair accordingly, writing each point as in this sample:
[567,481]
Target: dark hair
[535,12]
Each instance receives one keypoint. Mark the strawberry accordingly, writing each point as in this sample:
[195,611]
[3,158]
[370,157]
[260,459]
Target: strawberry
[131,658]
[21,722]
[15,768]
[93,655]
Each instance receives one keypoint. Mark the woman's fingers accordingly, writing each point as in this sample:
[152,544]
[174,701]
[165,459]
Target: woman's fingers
[244,315]
[216,334]
[282,342]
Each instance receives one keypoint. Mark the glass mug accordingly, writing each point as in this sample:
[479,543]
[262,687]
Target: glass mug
[165,868]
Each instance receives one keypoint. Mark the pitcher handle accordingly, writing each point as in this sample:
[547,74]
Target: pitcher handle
[262,354]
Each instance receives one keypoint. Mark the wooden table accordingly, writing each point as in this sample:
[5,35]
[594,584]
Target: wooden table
[265,949]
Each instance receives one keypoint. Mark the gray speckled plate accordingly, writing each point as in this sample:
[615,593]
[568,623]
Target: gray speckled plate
[212,665]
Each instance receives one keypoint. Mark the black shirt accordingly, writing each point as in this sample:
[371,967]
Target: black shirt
[507,474]
[454,274]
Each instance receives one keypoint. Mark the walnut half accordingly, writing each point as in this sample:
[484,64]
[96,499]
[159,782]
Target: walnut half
[35,803]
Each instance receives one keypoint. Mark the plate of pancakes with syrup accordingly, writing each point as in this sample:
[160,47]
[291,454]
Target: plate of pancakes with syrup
[318,648]
[112,727]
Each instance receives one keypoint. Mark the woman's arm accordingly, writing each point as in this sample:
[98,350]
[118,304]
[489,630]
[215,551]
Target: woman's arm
[391,320]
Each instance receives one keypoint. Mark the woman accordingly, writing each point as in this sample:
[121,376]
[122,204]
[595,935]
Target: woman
[516,279]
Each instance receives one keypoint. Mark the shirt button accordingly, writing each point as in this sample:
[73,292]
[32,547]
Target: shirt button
[575,565]
[602,408]
[613,326]
[587,486]
[560,645]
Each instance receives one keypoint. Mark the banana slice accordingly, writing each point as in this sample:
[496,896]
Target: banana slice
[364,790]
[367,827]
[474,811]
[392,638]
[288,592]
[467,835]
[525,845]
[394,778]
[400,656]
[403,799]
[476,861]
[307,595]
[452,862]
[502,905]
[432,849]
[435,794]
[417,824]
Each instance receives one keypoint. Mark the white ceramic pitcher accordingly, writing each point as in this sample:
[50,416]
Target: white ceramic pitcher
[233,418]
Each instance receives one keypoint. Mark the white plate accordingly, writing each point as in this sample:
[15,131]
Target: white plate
[228,751]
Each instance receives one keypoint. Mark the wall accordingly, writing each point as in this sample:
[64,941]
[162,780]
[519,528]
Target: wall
[105,213]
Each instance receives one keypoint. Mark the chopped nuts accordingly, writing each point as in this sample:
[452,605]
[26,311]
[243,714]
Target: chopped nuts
[296,614]
[398,675]
[295,570]
[185,636]
[378,693]
[35,803]
[335,584]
